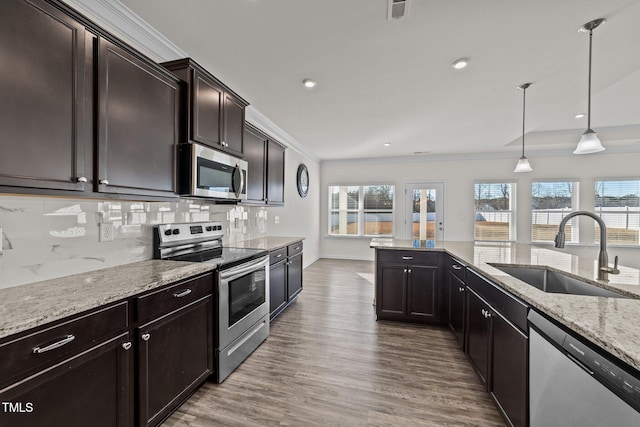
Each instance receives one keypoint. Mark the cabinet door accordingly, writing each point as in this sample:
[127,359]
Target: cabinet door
[233,125]
[92,388]
[294,276]
[43,114]
[206,111]
[175,357]
[277,287]
[255,152]
[477,333]
[456,307]
[391,291]
[508,385]
[275,174]
[138,125]
[422,287]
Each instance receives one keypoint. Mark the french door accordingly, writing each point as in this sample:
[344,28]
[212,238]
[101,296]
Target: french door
[425,211]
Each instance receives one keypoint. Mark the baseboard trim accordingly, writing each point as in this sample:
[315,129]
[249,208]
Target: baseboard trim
[350,258]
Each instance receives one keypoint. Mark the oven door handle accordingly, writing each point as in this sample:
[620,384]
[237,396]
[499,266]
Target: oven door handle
[242,269]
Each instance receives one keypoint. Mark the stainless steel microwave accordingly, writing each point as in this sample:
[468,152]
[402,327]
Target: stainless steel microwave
[205,172]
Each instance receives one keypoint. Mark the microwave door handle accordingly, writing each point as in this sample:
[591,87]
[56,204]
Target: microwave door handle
[237,189]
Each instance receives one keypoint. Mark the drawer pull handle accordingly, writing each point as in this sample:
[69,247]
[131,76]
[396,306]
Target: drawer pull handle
[460,289]
[297,248]
[145,337]
[65,340]
[407,257]
[456,267]
[103,182]
[126,345]
[182,293]
[82,179]
[279,256]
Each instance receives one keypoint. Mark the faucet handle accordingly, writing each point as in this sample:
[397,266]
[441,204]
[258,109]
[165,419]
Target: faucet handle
[614,269]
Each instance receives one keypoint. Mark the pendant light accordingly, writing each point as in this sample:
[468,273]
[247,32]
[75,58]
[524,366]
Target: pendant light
[589,142]
[523,164]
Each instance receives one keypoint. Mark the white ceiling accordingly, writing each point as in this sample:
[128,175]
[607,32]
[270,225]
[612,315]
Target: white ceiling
[381,81]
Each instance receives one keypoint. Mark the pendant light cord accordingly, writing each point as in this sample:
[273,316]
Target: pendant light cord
[589,95]
[524,95]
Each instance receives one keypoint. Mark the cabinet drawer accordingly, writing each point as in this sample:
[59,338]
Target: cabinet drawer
[422,258]
[173,297]
[458,268]
[509,306]
[294,249]
[277,255]
[41,349]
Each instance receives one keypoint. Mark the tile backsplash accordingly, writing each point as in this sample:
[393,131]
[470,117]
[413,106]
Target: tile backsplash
[44,238]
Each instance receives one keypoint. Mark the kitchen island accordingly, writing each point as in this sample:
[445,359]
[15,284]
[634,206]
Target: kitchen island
[610,323]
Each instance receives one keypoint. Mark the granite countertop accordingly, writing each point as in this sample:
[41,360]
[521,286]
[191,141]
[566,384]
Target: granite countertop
[267,243]
[610,323]
[28,306]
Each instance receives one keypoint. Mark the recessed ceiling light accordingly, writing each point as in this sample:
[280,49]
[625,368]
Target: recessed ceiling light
[460,63]
[308,83]
[387,144]
[579,115]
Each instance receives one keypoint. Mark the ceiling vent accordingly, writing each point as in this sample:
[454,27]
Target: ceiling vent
[397,9]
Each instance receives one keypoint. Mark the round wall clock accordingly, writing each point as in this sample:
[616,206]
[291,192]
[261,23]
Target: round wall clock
[302,180]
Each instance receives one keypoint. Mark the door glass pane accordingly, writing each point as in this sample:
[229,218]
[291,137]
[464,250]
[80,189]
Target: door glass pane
[423,214]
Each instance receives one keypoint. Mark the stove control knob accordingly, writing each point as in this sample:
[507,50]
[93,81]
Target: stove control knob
[176,231]
[167,232]
[209,228]
[218,227]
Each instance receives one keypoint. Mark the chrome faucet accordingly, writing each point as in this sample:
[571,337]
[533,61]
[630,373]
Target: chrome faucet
[603,259]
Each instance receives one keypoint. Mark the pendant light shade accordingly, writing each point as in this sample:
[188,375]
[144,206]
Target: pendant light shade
[523,163]
[589,142]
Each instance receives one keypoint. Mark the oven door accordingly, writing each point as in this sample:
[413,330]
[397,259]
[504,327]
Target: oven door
[217,175]
[243,298]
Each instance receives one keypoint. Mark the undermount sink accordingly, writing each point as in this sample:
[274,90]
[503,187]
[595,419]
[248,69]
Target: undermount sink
[554,282]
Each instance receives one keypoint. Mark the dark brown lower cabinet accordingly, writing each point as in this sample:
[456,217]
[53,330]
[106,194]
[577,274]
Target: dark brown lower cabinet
[407,292]
[175,357]
[285,277]
[497,348]
[91,388]
[456,306]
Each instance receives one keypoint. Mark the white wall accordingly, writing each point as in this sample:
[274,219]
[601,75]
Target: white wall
[458,177]
[299,217]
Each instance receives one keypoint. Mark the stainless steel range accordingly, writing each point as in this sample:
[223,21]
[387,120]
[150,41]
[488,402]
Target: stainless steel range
[242,287]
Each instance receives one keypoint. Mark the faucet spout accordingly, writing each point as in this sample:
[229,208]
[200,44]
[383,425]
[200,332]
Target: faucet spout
[603,258]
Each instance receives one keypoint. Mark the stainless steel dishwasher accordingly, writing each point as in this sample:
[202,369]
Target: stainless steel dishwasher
[571,384]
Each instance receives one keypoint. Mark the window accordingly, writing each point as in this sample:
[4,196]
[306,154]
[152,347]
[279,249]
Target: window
[365,210]
[494,211]
[617,204]
[550,202]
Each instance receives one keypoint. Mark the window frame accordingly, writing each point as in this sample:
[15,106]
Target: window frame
[360,211]
[600,210]
[575,206]
[511,211]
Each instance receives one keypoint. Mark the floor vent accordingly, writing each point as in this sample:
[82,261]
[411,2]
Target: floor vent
[398,9]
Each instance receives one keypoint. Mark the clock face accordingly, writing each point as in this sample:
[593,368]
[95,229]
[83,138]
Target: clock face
[303,180]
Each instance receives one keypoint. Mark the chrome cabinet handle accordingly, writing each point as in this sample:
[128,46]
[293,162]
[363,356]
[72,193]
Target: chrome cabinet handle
[126,345]
[279,256]
[103,182]
[460,289]
[145,337]
[298,248]
[82,179]
[409,271]
[66,340]
[407,257]
[405,270]
[182,293]
[456,267]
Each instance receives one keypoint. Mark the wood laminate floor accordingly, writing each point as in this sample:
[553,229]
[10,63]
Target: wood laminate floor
[328,362]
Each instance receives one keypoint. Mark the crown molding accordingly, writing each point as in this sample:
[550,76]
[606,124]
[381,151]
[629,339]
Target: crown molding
[259,120]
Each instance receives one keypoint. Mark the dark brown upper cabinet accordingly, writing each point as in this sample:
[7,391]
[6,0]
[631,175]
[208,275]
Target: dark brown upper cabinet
[214,114]
[44,109]
[265,181]
[138,111]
